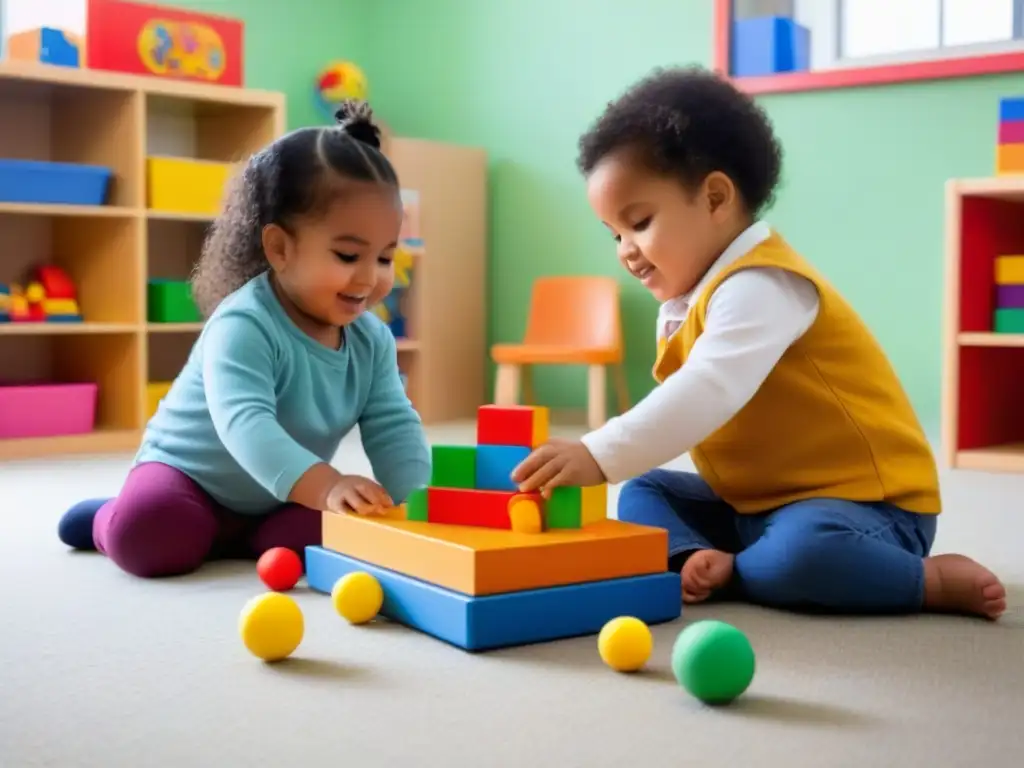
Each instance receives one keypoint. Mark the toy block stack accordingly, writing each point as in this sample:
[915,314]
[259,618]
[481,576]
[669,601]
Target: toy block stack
[474,562]
[1010,149]
[1009,298]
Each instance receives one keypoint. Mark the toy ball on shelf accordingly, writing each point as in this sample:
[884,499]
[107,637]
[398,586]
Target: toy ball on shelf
[338,82]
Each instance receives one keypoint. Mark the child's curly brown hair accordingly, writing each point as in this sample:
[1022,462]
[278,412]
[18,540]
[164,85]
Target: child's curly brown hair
[289,178]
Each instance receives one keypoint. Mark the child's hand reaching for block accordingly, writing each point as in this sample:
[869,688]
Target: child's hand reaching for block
[353,493]
[557,462]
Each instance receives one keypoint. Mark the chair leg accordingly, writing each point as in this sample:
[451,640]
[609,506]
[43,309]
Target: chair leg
[621,388]
[506,385]
[526,385]
[597,396]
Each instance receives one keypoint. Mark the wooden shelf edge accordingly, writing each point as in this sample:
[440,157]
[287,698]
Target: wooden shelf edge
[997,458]
[65,329]
[100,441]
[174,327]
[49,209]
[990,339]
[154,214]
[80,77]
[994,186]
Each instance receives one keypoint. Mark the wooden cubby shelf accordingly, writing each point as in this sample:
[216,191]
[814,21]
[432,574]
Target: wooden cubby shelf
[110,251]
[983,370]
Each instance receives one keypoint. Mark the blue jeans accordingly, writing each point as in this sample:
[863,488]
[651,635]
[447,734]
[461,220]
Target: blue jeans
[819,555]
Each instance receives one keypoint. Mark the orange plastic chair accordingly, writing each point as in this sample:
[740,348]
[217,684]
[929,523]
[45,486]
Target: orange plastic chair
[572,321]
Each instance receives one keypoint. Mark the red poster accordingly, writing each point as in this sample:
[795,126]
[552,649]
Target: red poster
[164,42]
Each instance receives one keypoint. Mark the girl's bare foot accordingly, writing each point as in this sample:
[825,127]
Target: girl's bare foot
[703,572]
[957,584]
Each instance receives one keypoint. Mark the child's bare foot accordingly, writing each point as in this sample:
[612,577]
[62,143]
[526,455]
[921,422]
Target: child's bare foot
[957,584]
[703,572]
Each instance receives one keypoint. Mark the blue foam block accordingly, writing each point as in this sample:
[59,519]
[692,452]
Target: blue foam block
[36,181]
[768,45]
[55,48]
[494,465]
[512,618]
[1011,108]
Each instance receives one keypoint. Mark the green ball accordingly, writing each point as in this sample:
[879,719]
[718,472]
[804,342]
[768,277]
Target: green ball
[714,661]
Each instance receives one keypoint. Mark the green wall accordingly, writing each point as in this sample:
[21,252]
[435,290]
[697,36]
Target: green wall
[863,180]
[287,43]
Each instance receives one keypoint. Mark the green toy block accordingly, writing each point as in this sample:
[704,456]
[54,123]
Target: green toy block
[1009,320]
[416,505]
[454,466]
[170,301]
[565,508]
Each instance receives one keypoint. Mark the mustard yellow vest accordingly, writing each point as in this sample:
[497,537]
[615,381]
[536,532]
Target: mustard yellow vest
[831,419]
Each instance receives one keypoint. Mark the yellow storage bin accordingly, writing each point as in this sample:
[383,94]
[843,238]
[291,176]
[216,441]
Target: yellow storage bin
[155,392]
[183,185]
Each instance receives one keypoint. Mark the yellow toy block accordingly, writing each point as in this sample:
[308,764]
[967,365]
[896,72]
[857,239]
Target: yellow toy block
[487,561]
[183,185]
[1009,270]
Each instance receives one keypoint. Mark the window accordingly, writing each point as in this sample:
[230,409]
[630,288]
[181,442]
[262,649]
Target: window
[854,42]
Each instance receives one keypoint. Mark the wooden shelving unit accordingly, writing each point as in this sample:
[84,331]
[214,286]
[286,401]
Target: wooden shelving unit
[983,371]
[110,251]
[445,356]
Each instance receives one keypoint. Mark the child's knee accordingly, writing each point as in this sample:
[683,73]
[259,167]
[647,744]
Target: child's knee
[635,499]
[155,539]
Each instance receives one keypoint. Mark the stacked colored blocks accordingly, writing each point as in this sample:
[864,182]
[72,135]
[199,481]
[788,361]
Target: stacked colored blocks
[472,484]
[1009,299]
[1010,148]
[484,567]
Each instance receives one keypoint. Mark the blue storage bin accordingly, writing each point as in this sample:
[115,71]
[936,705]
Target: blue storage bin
[36,181]
[768,45]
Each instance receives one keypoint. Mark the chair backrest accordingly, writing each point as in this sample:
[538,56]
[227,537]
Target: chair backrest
[582,312]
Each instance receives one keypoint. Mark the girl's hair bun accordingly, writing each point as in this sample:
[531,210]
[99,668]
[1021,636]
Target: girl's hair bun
[355,118]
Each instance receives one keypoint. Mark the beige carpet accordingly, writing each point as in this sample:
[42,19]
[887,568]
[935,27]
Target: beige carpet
[100,669]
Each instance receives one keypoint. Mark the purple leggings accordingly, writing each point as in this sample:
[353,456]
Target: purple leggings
[163,524]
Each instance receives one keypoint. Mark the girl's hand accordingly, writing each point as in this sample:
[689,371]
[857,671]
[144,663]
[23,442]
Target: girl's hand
[353,493]
[557,462]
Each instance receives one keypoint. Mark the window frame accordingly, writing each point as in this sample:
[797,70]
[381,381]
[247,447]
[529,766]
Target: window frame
[855,75]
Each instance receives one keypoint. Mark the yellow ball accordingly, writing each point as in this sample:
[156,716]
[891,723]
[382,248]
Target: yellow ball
[357,597]
[271,626]
[625,644]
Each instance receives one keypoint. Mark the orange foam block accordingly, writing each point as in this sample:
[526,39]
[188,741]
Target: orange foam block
[1010,159]
[485,561]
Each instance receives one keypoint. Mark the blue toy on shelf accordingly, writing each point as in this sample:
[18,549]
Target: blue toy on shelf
[37,181]
[769,45]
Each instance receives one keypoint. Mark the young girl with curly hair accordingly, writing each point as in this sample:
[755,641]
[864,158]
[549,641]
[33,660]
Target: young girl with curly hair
[236,459]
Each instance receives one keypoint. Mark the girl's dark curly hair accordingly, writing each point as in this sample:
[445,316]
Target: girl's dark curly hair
[289,178]
[687,123]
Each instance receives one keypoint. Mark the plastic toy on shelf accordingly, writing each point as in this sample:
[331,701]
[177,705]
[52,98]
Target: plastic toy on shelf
[393,308]
[471,561]
[50,296]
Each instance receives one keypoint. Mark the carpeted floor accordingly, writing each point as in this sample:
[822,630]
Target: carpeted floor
[100,669]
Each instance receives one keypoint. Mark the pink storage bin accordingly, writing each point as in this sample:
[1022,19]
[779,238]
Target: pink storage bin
[46,409]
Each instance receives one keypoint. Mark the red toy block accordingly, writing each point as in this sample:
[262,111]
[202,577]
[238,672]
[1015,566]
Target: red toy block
[56,283]
[467,506]
[520,425]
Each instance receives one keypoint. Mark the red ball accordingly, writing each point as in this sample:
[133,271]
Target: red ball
[279,568]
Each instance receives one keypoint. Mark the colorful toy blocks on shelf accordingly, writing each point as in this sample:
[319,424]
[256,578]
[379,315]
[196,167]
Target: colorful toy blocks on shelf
[1010,147]
[49,297]
[1008,315]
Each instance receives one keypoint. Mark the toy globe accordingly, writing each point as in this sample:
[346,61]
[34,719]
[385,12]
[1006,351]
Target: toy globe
[338,82]
[714,661]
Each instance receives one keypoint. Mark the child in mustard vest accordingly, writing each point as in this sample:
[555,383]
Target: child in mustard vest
[815,487]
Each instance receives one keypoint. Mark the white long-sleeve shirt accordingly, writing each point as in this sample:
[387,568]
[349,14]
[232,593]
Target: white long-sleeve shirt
[752,318]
